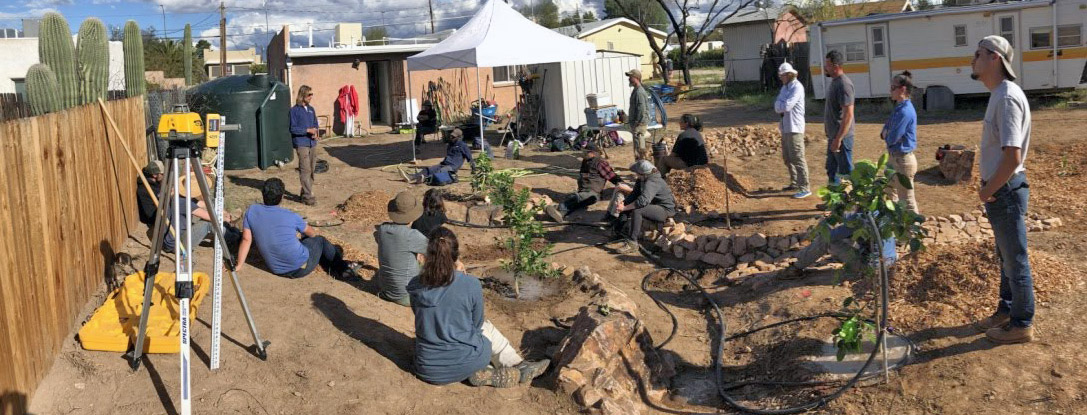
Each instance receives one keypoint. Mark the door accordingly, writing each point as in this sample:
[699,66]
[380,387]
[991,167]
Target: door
[1007,26]
[879,61]
[377,73]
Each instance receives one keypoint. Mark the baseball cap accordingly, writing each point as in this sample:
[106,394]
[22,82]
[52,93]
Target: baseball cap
[786,68]
[637,73]
[1000,46]
[642,167]
[152,168]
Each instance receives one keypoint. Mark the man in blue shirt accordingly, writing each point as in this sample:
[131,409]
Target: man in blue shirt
[275,230]
[900,135]
[304,138]
[790,104]
[456,153]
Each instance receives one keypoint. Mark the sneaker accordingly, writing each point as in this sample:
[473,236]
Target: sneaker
[506,377]
[628,246]
[995,320]
[552,210]
[403,174]
[1010,334]
[532,370]
[801,194]
[310,202]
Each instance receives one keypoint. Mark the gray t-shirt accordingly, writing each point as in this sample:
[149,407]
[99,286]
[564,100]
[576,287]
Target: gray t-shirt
[839,93]
[1007,124]
[396,248]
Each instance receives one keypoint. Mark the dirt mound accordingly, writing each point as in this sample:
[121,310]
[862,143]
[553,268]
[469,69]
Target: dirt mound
[743,141]
[703,188]
[951,285]
[1056,181]
[370,207]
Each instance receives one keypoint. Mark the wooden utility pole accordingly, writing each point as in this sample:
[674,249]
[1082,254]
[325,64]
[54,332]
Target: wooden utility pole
[430,4]
[222,39]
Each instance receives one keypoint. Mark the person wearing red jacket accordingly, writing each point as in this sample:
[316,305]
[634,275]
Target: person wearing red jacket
[349,109]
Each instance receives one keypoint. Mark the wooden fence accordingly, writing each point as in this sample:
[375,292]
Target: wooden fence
[67,202]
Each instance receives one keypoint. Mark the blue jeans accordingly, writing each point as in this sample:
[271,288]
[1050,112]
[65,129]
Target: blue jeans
[322,252]
[1006,215]
[840,162]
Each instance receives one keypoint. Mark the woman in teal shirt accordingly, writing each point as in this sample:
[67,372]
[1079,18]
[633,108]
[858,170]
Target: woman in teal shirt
[900,135]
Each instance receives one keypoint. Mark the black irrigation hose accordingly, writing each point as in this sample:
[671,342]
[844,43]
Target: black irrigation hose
[546,225]
[718,377]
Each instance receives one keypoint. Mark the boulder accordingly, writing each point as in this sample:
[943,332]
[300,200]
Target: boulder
[954,218]
[969,217]
[739,246]
[756,241]
[678,251]
[748,257]
[694,255]
[1053,222]
[688,242]
[606,359]
[724,245]
[701,241]
[711,245]
[713,258]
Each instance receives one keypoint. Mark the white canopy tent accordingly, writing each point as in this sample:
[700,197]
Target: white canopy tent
[498,36]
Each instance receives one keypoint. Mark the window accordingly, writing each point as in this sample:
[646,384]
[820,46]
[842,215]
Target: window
[1069,36]
[611,45]
[1041,38]
[878,43]
[20,87]
[960,35]
[853,52]
[505,73]
[1007,29]
[240,69]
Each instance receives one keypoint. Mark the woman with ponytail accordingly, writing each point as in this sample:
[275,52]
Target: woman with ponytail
[900,136]
[453,342]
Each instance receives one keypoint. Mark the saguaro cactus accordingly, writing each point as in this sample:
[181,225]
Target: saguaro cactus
[188,55]
[93,52]
[42,89]
[135,83]
[55,49]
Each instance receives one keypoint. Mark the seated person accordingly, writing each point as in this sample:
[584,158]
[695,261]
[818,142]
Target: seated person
[433,212]
[399,248]
[145,201]
[689,150]
[453,341]
[200,223]
[456,153]
[428,122]
[275,230]
[650,199]
[842,248]
[594,176]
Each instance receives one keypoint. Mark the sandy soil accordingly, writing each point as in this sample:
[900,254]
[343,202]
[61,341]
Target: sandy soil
[337,348]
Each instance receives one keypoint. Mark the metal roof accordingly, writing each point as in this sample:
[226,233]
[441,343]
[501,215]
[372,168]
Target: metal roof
[593,27]
[357,50]
[1014,5]
[754,15]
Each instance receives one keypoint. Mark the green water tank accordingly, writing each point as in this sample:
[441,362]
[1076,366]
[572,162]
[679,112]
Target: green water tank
[260,105]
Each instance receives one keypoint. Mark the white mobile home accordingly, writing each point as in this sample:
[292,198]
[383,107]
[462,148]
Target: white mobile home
[937,46]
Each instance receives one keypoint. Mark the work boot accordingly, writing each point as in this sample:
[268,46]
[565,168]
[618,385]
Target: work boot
[310,202]
[506,377]
[996,320]
[628,247]
[1010,334]
[552,211]
[532,370]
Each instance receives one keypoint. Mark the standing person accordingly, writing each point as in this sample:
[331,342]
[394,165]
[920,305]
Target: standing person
[275,231]
[594,175]
[453,340]
[638,113]
[304,138]
[690,148]
[399,248]
[838,122]
[1005,138]
[900,135]
[790,104]
[428,122]
[433,213]
[651,199]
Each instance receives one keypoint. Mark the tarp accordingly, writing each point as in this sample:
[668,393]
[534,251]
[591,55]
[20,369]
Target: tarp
[499,36]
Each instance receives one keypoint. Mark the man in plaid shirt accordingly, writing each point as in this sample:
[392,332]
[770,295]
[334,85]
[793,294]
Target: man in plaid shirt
[594,176]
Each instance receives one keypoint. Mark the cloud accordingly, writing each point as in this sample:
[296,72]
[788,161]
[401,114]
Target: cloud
[37,4]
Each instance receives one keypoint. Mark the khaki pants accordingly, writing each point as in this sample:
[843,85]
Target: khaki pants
[906,164]
[792,151]
[667,163]
[502,352]
[307,161]
[641,140]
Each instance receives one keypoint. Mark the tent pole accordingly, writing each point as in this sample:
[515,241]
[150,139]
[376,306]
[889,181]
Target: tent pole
[411,117]
[479,95]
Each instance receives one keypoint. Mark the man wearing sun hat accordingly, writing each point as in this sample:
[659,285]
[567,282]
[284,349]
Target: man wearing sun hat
[1005,138]
[638,113]
[790,104]
[399,248]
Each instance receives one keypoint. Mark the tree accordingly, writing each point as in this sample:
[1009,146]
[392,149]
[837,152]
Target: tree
[570,19]
[202,44]
[376,34]
[544,12]
[647,14]
[925,5]
[588,16]
[258,68]
[679,16]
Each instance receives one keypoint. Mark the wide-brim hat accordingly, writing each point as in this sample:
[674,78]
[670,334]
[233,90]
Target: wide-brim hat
[786,68]
[1000,46]
[405,208]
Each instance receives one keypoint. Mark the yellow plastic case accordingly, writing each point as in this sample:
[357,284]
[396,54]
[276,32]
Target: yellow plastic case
[113,326]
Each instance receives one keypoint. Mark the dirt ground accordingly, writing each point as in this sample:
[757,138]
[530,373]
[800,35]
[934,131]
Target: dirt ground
[338,348]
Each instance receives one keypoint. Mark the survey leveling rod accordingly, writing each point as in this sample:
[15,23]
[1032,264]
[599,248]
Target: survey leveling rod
[217,278]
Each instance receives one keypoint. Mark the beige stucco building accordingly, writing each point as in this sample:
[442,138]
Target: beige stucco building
[618,35]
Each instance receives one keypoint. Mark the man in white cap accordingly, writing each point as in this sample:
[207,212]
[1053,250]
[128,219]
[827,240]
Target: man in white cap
[1005,138]
[638,113]
[790,104]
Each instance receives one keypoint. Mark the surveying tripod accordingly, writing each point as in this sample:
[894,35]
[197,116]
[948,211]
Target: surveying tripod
[183,152]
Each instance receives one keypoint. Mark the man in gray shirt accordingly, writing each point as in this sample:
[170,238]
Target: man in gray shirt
[638,116]
[399,248]
[1005,138]
[838,118]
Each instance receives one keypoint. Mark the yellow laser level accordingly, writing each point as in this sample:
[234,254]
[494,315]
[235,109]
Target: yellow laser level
[183,125]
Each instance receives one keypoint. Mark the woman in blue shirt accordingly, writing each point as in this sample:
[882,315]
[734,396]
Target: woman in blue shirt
[304,138]
[900,136]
